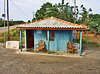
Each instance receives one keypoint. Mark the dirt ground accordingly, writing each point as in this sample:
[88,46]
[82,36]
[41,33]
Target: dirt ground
[13,63]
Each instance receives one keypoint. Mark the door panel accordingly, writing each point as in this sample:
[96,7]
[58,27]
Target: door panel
[30,38]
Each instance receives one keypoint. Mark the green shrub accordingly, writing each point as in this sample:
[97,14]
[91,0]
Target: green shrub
[13,32]
[84,41]
[86,36]
[10,23]
[14,35]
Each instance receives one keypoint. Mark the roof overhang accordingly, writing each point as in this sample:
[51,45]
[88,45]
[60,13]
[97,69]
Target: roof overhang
[50,28]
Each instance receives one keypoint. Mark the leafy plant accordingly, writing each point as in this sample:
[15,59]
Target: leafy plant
[13,33]
[94,23]
[10,23]
[84,41]
[62,11]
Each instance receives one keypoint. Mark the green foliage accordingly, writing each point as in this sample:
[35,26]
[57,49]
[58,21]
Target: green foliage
[14,36]
[86,36]
[41,12]
[62,2]
[1,19]
[10,23]
[29,21]
[90,43]
[2,23]
[33,19]
[3,15]
[90,9]
[84,41]
[12,39]
[94,22]
[52,11]
[83,19]
[65,12]
[13,33]
[62,11]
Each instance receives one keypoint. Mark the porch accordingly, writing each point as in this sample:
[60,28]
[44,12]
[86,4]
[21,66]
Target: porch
[56,46]
[51,53]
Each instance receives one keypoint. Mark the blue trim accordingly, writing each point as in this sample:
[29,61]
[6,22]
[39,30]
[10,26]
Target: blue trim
[48,41]
[21,39]
[80,42]
[25,39]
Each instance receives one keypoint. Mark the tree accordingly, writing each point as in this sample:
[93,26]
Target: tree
[84,15]
[62,2]
[52,11]
[61,11]
[29,21]
[41,12]
[1,19]
[94,22]
[11,23]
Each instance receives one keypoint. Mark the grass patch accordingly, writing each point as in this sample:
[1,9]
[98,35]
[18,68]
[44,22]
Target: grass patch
[12,39]
[13,33]
[14,36]
[90,43]
[86,36]
[84,41]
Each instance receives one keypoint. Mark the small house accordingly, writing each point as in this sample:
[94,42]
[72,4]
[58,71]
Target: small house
[53,31]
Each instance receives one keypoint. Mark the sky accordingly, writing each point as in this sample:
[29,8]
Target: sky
[23,9]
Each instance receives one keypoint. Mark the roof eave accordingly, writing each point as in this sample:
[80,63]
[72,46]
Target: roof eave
[50,28]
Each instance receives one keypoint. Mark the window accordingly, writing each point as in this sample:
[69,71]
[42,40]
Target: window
[51,36]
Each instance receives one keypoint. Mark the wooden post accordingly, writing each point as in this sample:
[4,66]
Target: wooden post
[75,11]
[48,41]
[74,16]
[8,20]
[74,36]
[80,42]
[25,39]
[4,23]
[21,39]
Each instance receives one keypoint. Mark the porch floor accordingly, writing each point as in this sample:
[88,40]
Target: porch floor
[52,53]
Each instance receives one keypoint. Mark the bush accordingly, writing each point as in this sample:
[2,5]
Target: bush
[10,23]
[14,33]
[84,41]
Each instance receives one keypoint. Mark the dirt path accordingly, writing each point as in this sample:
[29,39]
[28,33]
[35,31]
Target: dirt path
[91,52]
[12,63]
